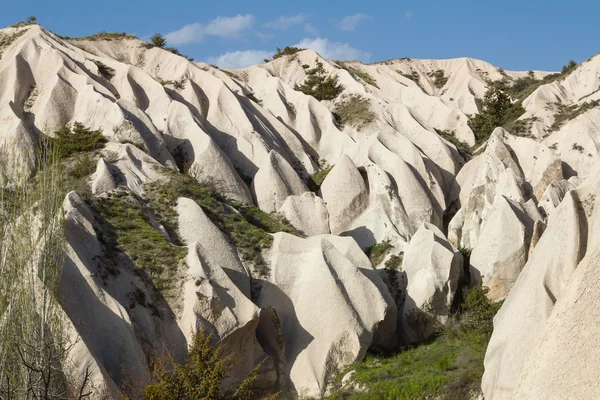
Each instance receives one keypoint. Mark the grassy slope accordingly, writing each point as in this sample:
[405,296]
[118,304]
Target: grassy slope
[449,366]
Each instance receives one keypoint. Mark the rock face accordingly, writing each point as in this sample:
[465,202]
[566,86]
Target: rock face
[196,227]
[352,308]
[307,213]
[498,216]
[525,206]
[433,270]
[521,323]
[274,182]
[345,194]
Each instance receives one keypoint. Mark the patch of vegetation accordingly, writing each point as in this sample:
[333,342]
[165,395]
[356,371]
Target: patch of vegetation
[359,74]
[287,51]
[413,76]
[439,78]
[568,113]
[110,36]
[497,109]
[158,40]
[200,376]
[570,67]
[521,127]
[449,366]
[247,227]
[319,84]
[177,85]
[578,147]
[314,182]
[71,140]
[130,231]
[107,72]
[21,24]
[354,110]
[464,149]
[378,251]
[7,40]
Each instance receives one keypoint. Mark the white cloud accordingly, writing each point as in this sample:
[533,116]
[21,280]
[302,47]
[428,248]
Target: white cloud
[409,14]
[226,27]
[311,30]
[334,50]
[350,22]
[265,37]
[283,22]
[240,59]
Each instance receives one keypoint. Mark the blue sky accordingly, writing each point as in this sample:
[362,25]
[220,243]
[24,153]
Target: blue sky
[517,35]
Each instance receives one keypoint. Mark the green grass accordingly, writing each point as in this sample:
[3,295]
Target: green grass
[315,181]
[378,251]
[129,231]
[354,110]
[449,366]
[248,227]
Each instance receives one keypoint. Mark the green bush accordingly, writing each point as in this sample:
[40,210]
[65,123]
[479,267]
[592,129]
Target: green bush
[200,376]
[497,109]
[319,85]
[570,67]
[354,110]
[158,40]
[287,51]
[439,78]
[107,72]
[78,139]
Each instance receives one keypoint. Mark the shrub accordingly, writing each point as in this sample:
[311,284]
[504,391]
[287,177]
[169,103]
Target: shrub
[570,67]
[107,72]
[439,78]
[32,19]
[158,40]
[287,51]
[200,376]
[319,85]
[497,110]
[355,110]
[78,139]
